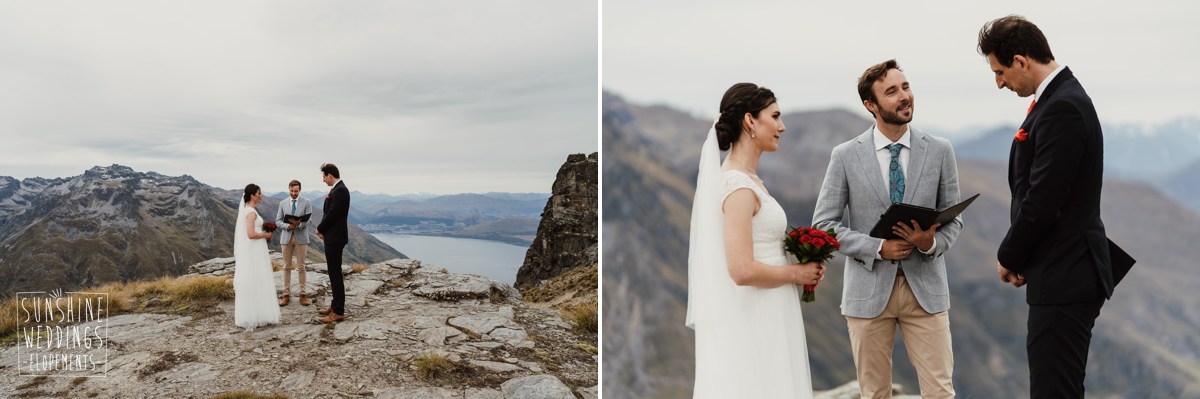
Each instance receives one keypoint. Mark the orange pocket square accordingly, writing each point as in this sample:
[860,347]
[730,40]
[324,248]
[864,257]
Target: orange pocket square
[1022,135]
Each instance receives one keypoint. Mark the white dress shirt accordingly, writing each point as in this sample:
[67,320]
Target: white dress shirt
[1042,87]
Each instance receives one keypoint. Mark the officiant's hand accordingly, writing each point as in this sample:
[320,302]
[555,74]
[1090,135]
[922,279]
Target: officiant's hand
[294,224]
[922,239]
[894,249]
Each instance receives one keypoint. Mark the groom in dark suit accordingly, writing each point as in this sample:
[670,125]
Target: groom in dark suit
[1056,242]
[332,230]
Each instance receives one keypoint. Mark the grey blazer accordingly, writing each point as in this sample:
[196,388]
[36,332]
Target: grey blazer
[853,197]
[303,206]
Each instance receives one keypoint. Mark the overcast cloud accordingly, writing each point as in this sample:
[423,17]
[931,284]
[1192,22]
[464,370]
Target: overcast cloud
[440,97]
[1137,59]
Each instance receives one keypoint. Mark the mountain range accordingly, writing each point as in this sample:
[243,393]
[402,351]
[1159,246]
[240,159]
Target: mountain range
[1166,155]
[116,224]
[506,217]
[1144,342]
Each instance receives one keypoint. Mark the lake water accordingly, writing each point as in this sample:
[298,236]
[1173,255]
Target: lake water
[495,260]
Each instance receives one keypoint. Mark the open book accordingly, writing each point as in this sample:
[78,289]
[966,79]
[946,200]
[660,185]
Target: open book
[290,218]
[901,212]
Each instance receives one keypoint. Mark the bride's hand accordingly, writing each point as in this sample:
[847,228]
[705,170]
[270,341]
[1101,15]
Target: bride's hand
[268,235]
[810,273]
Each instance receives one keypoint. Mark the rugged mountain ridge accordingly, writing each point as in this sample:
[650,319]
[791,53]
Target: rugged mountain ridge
[566,236]
[1142,341]
[113,223]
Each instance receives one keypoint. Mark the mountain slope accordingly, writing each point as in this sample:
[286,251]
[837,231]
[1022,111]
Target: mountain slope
[115,224]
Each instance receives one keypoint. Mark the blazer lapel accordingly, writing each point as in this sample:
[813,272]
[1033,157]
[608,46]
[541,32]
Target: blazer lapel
[870,166]
[916,163]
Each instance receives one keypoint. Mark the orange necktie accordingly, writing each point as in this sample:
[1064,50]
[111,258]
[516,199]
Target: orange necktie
[1030,107]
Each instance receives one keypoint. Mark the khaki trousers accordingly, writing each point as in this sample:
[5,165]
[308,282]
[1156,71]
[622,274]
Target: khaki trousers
[300,250]
[926,336]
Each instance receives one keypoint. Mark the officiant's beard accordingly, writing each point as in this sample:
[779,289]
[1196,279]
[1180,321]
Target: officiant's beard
[894,118]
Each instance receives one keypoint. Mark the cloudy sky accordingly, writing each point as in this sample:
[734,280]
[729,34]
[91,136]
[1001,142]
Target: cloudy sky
[438,97]
[1137,59]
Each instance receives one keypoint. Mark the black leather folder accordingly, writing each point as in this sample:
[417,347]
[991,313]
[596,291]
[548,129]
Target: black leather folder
[901,212]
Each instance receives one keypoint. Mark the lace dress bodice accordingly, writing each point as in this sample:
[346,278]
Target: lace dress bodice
[769,226]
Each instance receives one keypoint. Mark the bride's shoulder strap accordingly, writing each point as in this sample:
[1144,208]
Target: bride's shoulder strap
[735,180]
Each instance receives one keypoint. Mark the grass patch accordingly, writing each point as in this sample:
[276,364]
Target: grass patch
[78,380]
[432,367]
[10,310]
[439,370]
[359,267]
[248,395]
[587,348]
[166,361]
[188,296]
[583,318]
[35,382]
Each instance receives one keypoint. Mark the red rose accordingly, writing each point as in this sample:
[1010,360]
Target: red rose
[817,242]
[805,240]
[1022,135]
[793,234]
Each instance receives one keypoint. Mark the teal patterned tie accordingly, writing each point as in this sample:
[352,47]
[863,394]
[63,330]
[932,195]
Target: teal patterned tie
[293,207]
[895,175]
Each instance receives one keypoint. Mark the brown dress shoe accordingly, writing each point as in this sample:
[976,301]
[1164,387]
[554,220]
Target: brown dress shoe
[325,311]
[283,300]
[304,300]
[332,318]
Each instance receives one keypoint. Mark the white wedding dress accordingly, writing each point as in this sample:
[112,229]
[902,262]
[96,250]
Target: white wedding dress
[254,302]
[749,341]
[752,345]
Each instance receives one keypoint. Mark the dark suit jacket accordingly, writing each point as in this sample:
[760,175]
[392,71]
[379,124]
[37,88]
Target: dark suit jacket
[1057,239]
[336,208]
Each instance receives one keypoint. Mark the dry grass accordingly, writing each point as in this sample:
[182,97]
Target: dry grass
[583,317]
[359,267]
[9,321]
[35,382]
[195,296]
[248,395]
[166,361]
[432,367]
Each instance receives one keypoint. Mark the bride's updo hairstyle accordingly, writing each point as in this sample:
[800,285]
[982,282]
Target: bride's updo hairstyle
[739,100]
[251,189]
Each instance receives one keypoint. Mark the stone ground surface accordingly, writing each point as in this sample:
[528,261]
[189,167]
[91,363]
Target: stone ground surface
[397,313]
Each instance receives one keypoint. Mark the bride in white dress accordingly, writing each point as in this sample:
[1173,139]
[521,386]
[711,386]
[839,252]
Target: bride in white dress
[743,300]
[253,280]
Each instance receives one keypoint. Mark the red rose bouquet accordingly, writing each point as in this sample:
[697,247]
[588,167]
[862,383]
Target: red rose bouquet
[270,227]
[808,244]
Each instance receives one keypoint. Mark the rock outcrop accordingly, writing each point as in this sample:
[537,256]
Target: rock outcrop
[400,315]
[566,237]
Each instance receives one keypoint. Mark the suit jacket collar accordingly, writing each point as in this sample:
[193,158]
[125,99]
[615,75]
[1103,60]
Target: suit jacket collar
[1055,83]
[865,144]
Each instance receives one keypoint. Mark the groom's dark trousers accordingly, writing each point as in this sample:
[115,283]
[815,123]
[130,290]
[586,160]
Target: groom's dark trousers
[1056,240]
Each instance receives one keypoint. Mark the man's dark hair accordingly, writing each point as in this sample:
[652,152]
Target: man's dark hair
[294,183]
[331,169]
[1014,35]
[870,76]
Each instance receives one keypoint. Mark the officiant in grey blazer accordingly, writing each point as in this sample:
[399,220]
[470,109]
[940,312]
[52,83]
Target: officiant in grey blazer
[894,282]
[294,239]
